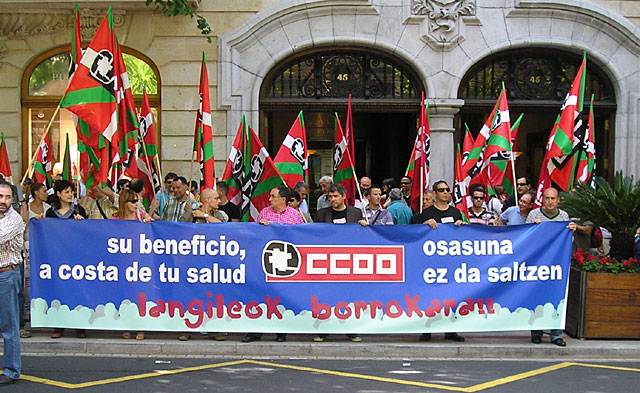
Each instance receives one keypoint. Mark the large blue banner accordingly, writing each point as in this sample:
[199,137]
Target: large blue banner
[310,278]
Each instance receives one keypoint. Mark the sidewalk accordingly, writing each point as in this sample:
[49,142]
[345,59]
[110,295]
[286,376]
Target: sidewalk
[485,346]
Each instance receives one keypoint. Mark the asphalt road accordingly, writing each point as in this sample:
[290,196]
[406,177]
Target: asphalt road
[128,374]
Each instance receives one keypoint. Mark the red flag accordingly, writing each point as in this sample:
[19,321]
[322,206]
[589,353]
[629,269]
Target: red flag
[587,154]
[261,175]
[492,141]
[343,171]
[5,168]
[467,144]
[234,171]
[91,92]
[147,152]
[422,147]
[498,146]
[544,181]
[570,115]
[291,160]
[123,143]
[43,167]
[349,138]
[83,132]
[146,131]
[568,139]
[461,198]
[502,167]
[203,138]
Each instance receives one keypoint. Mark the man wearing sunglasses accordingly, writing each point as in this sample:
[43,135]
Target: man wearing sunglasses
[478,213]
[523,185]
[441,213]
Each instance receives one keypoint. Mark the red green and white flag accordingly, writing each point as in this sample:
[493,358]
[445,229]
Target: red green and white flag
[147,151]
[501,167]
[124,141]
[350,139]
[544,181]
[587,154]
[250,173]
[568,138]
[42,165]
[412,159]
[291,160]
[67,171]
[461,198]
[234,171]
[203,137]
[343,171]
[571,115]
[261,176]
[146,131]
[467,144]
[492,140]
[87,154]
[421,158]
[5,167]
[91,92]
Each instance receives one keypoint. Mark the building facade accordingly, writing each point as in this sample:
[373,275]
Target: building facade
[270,59]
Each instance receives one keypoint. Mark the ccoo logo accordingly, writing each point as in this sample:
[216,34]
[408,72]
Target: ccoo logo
[280,259]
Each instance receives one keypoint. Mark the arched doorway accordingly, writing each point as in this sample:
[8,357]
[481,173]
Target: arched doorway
[385,102]
[537,81]
[45,80]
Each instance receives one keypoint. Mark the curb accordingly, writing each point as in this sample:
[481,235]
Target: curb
[372,347]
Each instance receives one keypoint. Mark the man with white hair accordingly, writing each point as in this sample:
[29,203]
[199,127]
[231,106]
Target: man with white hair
[323,201]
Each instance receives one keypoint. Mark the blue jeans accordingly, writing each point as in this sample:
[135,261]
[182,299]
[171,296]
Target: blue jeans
[10,282]
[555,334]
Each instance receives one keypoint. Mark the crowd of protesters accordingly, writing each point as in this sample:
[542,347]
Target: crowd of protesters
[180,201]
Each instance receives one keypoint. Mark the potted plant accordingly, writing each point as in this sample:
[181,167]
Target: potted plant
[604,290]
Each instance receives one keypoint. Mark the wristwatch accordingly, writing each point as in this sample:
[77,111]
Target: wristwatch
[205,215]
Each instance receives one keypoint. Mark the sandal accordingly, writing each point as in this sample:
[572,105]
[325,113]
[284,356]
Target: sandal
[126,335]
[25,333]
[140,336]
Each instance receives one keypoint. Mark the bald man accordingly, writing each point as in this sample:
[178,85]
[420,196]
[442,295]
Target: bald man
[549,212]
[208,212]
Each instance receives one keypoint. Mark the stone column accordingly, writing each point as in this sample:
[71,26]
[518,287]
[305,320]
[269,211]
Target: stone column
[441,113]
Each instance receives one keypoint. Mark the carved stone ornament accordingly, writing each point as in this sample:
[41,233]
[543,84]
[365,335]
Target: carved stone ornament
[444,28]
[24,24]
[3,50]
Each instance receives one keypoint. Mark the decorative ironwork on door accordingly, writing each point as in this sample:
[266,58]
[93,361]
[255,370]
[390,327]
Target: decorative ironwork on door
[338,74]
[546,75]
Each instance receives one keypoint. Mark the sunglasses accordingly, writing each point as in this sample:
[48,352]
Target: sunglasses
[478,198]
[133,200]
[404,184]
[443,189]
[522,184]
